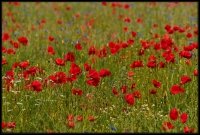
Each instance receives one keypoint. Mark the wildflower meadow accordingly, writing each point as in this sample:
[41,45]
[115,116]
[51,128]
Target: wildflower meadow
[99,67]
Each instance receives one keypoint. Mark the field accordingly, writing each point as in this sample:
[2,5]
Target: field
[99,67]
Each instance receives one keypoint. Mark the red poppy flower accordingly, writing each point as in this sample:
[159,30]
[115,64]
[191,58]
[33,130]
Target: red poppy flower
[9,79]
[70,117]
[124,89]
[173,114]
[78,46]
[114,47]
[93,77]
[195,45]
[126,6]
[125,29]
[77,92]
[137,63]
[189,35]
[90,23]
[68,8]
[79,118]
[145,44]
[130,73]
[71,124]
[139,20]
[60,62]
[4,50]
[69,57]
[25,74]
[153,91]
[10,74]
[189,47]
[181,30]
[176,49]
[51,38]
[166,42]
[104,73]
[104,3]
[91,118]
[195,32]
[115,92]
[87,67]
[24,64]
[176,28]
[129,98]
[59,77]
[185,79]
[141,51]
[156,83]
[9,13]
[184,117]
[43,21]
[152,58]
[59,21]
[75,69]
[5,36]
[15,65]
[51,50]
[92,74]
[33,70]
[124,45]
[157,46]
[161,65]
[36,85]
[23,40]
[167,27]
[16,3]
[3,125]
[133,85]
[11,125]
[167,126]
[195,72]
[77,15]
[169,57]
[71,78]
[171,31]
[176,89]
[127,19]
[92,50]
[10,51]
[185,54]
[186,129]
[133,33]
[130,41]
[102,53]
[137,94]
[151,64]
[15,44]
[4,61]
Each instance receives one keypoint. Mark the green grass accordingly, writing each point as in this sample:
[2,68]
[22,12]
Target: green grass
[48,109]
